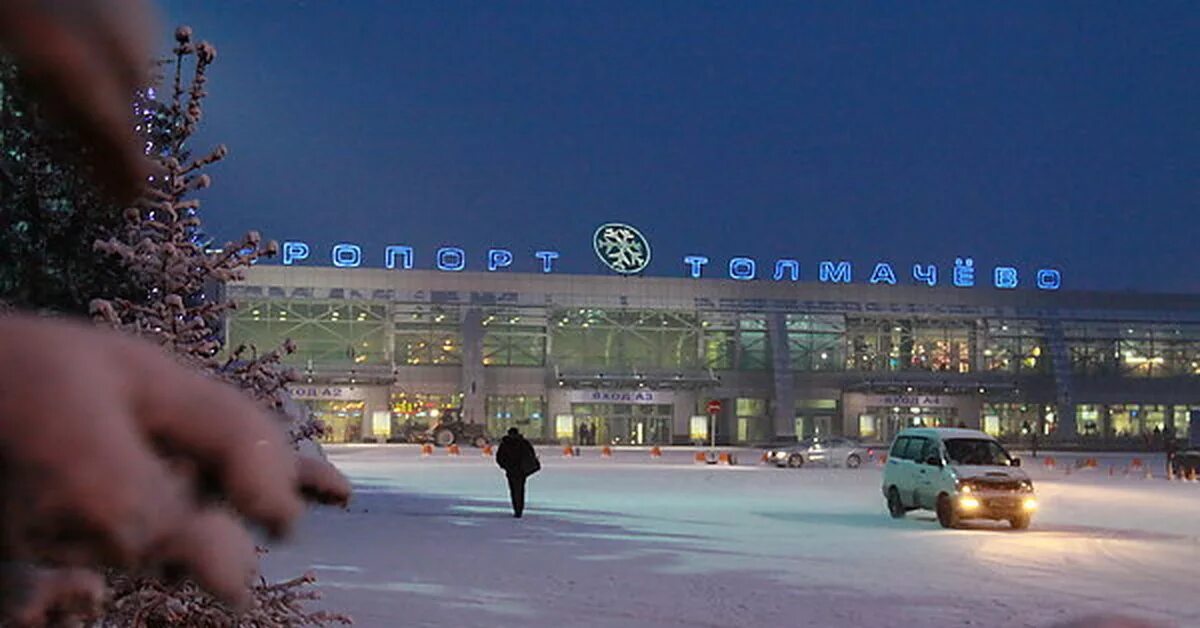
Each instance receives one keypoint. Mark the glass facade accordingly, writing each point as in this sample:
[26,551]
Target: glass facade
[325,333]
[1130,424]
[720,340]
[514,338]
[1012,421]
[815,417]
[428,336]
[816,343]
[885,351]
[1134,350]
[884,344]
[753,346]
[624,423]
[1014,346]
[625,340]
[752,422]
[527,413]
[343,419]
[341,333]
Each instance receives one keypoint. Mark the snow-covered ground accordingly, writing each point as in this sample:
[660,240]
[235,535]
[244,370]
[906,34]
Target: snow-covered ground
[633,542]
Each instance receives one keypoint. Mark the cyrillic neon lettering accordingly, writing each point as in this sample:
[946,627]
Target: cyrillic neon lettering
[1005,277]
[791,265]
[499,258]
[883,273]
[964,272]
[404,252]
[294,252]
[451,259]
[835,273]
[695,264]
[925,274]
[742,268]
[1049,279]
[347,255]
[547,258]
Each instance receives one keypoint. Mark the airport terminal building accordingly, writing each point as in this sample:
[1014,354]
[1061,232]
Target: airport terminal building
[636,359]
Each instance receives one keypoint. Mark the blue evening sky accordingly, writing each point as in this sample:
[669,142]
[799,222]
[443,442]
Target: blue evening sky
[1031,133]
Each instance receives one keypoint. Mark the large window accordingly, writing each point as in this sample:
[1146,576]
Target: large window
[882,344]
[1183,421]
[1012,346]
[527,413]
[719,330]
[753,424]
[343,420]
[753,344]
[334,333]
[1134,349]
[1136,421]
[428,336]
[1010,420]
[625,339]
[816,342]
[513,338]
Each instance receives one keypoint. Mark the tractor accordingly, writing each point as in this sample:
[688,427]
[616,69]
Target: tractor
[448,429]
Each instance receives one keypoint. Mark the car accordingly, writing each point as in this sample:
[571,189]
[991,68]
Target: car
[833,451]
[959,474]
[1185,463]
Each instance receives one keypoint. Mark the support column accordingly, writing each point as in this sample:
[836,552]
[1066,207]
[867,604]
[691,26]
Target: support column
[783,403]
[473,373]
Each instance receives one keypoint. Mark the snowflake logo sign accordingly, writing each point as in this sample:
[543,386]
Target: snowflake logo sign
[622,248]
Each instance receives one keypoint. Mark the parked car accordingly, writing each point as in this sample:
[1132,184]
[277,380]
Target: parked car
[1186,463]
[959,474]
[835,452]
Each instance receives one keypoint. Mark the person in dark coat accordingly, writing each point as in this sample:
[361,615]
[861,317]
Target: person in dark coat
[516,456]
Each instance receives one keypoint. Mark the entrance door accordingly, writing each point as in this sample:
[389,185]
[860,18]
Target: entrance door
[624,423]
[893,419]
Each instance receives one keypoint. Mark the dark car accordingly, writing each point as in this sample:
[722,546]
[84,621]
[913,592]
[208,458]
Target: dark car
[1186,463]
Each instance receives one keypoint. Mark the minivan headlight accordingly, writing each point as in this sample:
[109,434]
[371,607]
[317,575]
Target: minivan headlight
[1027,486]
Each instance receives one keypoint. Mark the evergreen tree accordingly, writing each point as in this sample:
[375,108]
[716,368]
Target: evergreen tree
[50,213]
[146,270]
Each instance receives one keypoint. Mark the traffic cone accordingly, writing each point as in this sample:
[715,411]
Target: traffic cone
[452,450]
[426,449]
[700,457]
[487,450]
[568,451]
[606,452]
[656,452]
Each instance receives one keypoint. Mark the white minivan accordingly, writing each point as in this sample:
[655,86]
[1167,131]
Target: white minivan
[958,473]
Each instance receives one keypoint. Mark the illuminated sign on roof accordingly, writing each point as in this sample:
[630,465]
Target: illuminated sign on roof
[624,250]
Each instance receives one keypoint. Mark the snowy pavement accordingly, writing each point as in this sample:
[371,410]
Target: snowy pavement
[633,542]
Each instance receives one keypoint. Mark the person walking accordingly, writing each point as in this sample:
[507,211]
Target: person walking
[519,461]
[1170,448]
